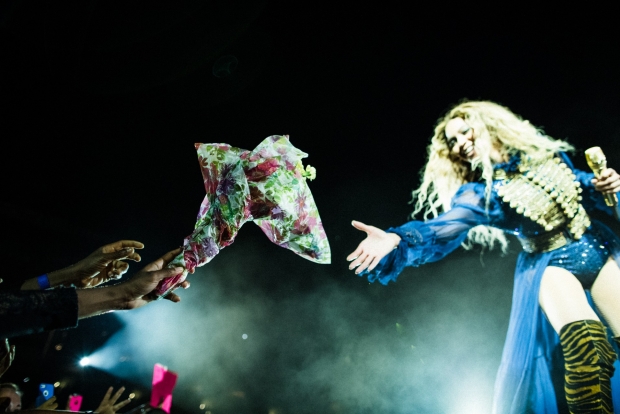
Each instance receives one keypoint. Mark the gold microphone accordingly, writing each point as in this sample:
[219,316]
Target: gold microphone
[597,161]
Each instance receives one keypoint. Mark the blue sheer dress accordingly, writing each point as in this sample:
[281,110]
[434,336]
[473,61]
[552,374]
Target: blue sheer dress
[523,383]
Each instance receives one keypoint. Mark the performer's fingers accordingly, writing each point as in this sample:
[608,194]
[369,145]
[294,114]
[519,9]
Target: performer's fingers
[374,263]
[608,186]
[364,264]
[359,260]
[606,173]
[355,254]
[360,226]
[613,187]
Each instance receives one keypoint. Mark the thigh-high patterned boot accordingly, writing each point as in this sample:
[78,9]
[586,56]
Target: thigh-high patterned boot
[588,364]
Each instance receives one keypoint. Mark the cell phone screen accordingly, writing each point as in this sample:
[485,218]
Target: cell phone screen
[75,402]
[163,384]
[46,391]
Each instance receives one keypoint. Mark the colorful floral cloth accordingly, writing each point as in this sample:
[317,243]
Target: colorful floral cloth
[268,186]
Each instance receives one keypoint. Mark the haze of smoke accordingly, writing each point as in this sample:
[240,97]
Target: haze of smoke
[329,348]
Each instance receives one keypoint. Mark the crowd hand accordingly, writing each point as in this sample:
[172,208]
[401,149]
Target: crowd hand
[372,249]
[138,291]
[108,404]
[608,182]
[49,404]
[7,354]
[105,264]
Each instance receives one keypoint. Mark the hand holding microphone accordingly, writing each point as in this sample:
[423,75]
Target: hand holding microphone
[598,163]
[608,180]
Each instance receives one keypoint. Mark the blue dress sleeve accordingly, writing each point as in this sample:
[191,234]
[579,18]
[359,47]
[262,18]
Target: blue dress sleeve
[431,240]
[592,199]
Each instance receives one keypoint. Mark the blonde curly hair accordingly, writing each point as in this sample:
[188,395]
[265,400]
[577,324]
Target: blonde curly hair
[494,126]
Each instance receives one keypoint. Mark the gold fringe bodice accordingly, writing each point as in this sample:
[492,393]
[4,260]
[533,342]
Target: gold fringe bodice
[547,193]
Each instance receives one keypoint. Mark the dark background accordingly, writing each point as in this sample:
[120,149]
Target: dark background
[103,101]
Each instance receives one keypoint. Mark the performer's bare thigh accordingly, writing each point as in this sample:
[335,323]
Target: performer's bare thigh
[563,299]
[606,294]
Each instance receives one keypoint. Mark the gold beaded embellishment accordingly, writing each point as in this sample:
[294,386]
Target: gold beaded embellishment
[546,192]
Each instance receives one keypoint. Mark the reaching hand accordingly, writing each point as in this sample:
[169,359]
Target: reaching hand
[7,354]
[139,290]
[372,249]
[105,263]
[608,182]
[49,404]
[132,294]
[107,405]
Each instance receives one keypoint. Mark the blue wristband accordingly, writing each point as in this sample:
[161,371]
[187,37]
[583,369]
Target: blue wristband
[43,281]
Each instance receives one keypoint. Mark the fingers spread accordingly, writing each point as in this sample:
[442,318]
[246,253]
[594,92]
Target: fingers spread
[117,395]
[106,397]
[364,264]
[355,254]
[359,225]
[374,263]
[122,404]
[358,261]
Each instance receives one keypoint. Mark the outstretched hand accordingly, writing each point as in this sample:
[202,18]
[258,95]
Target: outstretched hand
[608,182]
[372,249]
[139,290]
[108,404]
[106,263]
[132,294]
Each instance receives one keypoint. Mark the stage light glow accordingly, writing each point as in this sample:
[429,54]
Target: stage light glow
[203,406]
[132,395]
[85,361]
[56,384]
[26,379]
[244,336]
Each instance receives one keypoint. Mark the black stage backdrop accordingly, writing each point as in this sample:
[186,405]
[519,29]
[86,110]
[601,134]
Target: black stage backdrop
[103,102]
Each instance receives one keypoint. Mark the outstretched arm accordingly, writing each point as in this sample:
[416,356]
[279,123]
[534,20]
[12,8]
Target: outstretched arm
[104,264]
[28,312]
[132,294]
[384,254]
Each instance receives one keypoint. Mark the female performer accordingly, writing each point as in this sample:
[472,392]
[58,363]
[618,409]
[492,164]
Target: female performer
[490,172]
